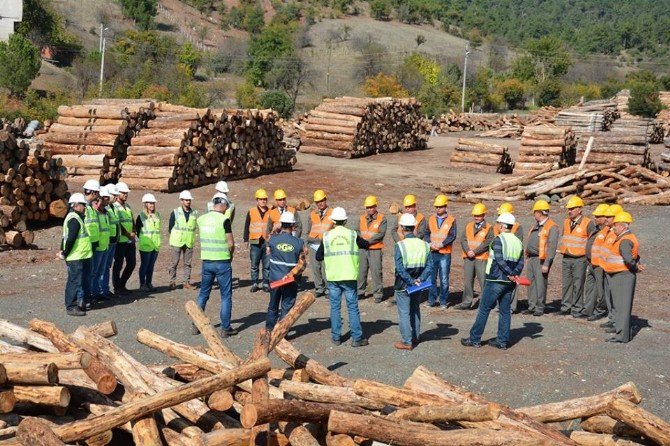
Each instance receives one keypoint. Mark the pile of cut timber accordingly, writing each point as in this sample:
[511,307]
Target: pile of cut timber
[614,147]
[218,398]
[621,100]
[665,157]
[92,138]
[619,183]
[636,126]
[479,155]
[663,118]
[463,122]
[593,116]
[349,127]
[543,115]
[545,146]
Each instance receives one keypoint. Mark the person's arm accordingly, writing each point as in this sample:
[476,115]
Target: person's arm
[73,228]
[519,267]
[552,245]
[138,225]
[519,233]
[481,249]
[427,273]
[591,228]
[394,229]
[400,268]
[310,240]
[451,236]
[626,251]
[232,213]
[421,229]
[302,263]
[362,243]
[298,225]
[464,241]
[269,228]
[379,236]
[319,253]
[171,222]
[228,228]
[247,222]
[499,259]
[357,227]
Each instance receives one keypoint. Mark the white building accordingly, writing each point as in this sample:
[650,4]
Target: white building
[11,11]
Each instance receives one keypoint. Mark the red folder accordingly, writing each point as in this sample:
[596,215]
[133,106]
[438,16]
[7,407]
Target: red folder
[281,282]
[523,281]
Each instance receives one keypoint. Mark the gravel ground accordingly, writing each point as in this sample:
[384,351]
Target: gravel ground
[551,358]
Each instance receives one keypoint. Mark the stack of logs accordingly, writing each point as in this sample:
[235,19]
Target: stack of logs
[92,138]
[349,127]
[218,398]
[641,127]
[463,122]
[663,118]
[614,147]
[545,146]
[482,156]
[665,157]
[592,116]
[621,183]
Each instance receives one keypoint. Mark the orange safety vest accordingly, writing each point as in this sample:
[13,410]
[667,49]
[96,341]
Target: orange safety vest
[574,243]
[319,226]
[598,248]
[438,235]
[613,260]
[475,240]
[496,231]
[544,236]
[368,232]
[419,219]
[258,225]
[275,215]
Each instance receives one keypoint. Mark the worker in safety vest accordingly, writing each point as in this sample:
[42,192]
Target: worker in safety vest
[612,212]
[412,267]
[92,223]
[575,234]
[441,233]
[216,251]
[503,267]
[125,249]
[318,223]
[255,236]
[371,227]
[475,242]
[517,230]
[621,264]
[594,288]
[102,247]
[76,250]
[280,206]
[540,251]
[113,217]
[339,252]
[222,188]
[181,227]
[148,229]
[409,204]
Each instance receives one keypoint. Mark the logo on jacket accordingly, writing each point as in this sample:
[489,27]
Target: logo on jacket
[285,247]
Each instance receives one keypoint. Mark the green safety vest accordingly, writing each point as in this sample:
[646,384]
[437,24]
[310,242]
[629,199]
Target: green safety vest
[125,220]
[414,252]
[512,249]
[213,240]
[229,212]
[82,248]
[340,254]
[150,233]
[103,238]
[92,223]
[183,232]
[113,217]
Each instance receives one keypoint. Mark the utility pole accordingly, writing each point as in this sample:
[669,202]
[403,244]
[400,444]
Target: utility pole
[330,50]
[465,75]
[102,30]
[102,65]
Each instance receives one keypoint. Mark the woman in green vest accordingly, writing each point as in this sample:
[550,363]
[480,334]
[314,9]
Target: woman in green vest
[148,228]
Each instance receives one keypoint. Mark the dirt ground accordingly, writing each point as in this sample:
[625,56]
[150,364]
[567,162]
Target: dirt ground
[551,358]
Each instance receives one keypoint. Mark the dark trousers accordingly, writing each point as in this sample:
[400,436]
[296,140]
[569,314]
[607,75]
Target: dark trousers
[125,252]
[84,291]
[73,286]
[147,263]
[283,297]
[494,292]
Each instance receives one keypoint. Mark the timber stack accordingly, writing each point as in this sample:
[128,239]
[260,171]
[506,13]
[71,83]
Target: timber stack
[663,118]
[665,157]
[592,116]
[545,146]
[612,148]
[463,122]
[642,127]
[219,398]
[348,127]
[482,156]
[621,99]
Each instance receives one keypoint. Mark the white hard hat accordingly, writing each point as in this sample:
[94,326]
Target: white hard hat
[112,189]
[185,195]
[222,187]
[122,187]
[506,218]
[339,214]
[407,220]
[148,198]
[287,217]
[77,198]
[104,192]
[220,196]
[93,185]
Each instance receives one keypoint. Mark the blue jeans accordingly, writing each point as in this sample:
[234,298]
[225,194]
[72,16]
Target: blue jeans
[84,291]
[500,292]
[284,296]
[223,272]
[409,316]
[147,262]
[259,255]
[348,288]
[441,266]
[97,262]
[73,286]
[106,267]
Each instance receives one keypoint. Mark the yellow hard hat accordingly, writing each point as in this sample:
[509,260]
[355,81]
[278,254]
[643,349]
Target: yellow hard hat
[261,194]
[370,201]
[409,200]
[479,209]
[575,202]
[319,195]
[441,200]
[601,210]
[279,194]
[506,208]
[613,210]
[541,205]
[623,217]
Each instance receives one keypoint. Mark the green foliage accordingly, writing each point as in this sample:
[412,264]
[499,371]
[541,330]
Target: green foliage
[644,100]
[611,87]
[415,11]
[342,6]
[274,42]
[247,96]
[512,92]
[480,91]
[384,85]
[551,58]
[523,68]
[142,11]
[571,94]
[641,76]
[189,57]
[248,17]
[287,13]
[549,93]
[43,107]
[380,9]
[19,64]
[665,82]
[278,101]
[437,99]
[429,70]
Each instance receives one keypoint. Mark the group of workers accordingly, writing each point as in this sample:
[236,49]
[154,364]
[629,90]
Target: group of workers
[600,257]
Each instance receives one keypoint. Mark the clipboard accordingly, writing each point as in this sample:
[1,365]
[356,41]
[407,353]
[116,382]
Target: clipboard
[281,282]
[523,281]
[420,287]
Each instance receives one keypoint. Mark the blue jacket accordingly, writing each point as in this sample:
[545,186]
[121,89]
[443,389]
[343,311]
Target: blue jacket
[501,268]
[407,277]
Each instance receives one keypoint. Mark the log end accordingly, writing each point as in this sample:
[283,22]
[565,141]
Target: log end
[52,373]
[7,401]
[221,400]
[106,384]
[635,395]
[249,416]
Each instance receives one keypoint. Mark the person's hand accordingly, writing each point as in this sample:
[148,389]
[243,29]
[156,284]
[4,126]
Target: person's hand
[545,269]
[471,254]
[641,268]
[60,255]
[417,282]
[513,278]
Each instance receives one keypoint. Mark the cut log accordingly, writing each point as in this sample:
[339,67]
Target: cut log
[298,434]
[636,417]
[328,394]
[339,440]
[63,361]
[303,302]
[221,400]
[223,437]
[202,322]
[389,395]
[57,396]
[105,329]
[36,432]
[27,373]
[274,410]
[590,439]
[7,401]
[435,414]
[602,424]
[318,372]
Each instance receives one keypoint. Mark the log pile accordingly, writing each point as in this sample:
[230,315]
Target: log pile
[621,100]
[592,116]
[614,147]
[544,115]
[621,183]
[463,122]
[636,126]
[665,157]
[545,146]
[347,127]
[663,118]
[218,398]
[482,156]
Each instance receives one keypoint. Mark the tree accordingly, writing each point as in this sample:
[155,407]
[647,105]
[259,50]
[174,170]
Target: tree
[665,82]
[19,64]
[549,93]
[480,92]
[644,100]
[289,75]
[420,40]
[142,11]
[523,68]
[278,101]
[550,56]
[380,10]
[247,95]
[512,91]
[274,42]
[383,85]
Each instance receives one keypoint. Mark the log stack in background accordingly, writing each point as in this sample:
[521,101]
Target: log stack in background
[663,118]
[545,146]
[614,147]
[482,156]
[463,122]
[349,127]
[592,116]
[665,157]
[641,127]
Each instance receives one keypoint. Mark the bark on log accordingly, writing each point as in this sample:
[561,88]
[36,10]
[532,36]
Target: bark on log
[36,432]
[649,424]
[27,373]
[325,152]
[319,373]
[106,329]
[590,439]
[274,410]
[434,414]
[298,435]
[223,437]
[26,336]
[328,394]
[63,361]
[215,343]
[304,301]
[339,440]
[47,395]
[602,424]
[393,396]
